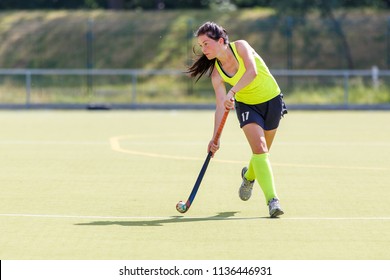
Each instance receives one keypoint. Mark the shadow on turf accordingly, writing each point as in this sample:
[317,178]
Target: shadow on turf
[223,216]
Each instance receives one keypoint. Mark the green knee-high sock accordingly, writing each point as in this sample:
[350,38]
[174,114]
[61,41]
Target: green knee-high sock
[250,173]
[260,169]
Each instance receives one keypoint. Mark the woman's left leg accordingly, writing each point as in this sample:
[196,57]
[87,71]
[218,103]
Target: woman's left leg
[259,166]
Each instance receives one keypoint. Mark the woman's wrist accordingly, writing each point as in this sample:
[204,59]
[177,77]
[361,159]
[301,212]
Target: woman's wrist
[233,92]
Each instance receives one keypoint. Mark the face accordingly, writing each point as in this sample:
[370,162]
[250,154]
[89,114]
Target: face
[210,48]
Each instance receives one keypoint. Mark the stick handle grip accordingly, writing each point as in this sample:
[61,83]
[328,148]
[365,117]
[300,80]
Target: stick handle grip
[221,125]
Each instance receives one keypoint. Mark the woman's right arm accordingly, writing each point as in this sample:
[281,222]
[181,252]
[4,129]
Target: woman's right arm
[220,94]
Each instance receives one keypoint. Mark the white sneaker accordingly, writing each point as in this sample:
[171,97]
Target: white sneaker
[274,208]
[245,190]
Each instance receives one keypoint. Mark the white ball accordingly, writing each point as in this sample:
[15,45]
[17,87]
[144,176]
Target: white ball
[181,207]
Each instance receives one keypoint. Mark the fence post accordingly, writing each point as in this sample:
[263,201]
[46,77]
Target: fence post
[134,88]
[289,45]
[346,88]
[28,88]
[375,76]
[89,39]
[190,36]
[289,31]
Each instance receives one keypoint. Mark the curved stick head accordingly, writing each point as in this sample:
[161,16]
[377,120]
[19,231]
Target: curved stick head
[181,207]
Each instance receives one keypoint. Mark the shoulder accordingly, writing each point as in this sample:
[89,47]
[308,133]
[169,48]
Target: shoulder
[242,45]
[243,48]
[216,78]
[215,75]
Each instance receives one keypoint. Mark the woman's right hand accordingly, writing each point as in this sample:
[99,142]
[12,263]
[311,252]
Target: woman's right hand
[213,148]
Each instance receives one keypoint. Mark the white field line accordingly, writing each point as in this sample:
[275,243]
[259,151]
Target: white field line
[162,218]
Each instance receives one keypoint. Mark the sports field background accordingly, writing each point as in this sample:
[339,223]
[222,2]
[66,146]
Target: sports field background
[104,185]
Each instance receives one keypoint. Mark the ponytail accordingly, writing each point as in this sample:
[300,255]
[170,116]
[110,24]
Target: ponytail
[201,66]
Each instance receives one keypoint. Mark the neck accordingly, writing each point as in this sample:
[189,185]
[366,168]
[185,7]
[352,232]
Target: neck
[225,55]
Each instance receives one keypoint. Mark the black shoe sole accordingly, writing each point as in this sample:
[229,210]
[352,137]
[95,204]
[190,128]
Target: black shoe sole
[277,213]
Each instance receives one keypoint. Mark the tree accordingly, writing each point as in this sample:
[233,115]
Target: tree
[301,9]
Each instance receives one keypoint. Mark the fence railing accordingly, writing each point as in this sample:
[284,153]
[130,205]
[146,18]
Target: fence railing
[374,73]
[132,76]
[133,73]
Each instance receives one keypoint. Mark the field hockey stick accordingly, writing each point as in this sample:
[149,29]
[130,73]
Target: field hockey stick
[183,207]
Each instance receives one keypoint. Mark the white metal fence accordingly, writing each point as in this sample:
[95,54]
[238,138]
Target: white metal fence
[131,79]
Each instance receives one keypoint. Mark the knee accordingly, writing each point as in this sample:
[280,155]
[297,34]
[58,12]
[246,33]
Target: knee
[260,148]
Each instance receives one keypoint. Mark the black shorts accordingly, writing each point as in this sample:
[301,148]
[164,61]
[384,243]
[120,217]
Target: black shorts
[267,114]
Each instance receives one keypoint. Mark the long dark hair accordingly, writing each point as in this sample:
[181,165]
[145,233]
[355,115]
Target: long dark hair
[202,64]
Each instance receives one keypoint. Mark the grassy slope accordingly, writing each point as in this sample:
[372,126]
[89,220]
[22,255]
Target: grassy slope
[155,40]
[163,39]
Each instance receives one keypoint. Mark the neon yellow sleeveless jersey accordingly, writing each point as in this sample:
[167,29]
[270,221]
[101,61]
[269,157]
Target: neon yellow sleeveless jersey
[263,88]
